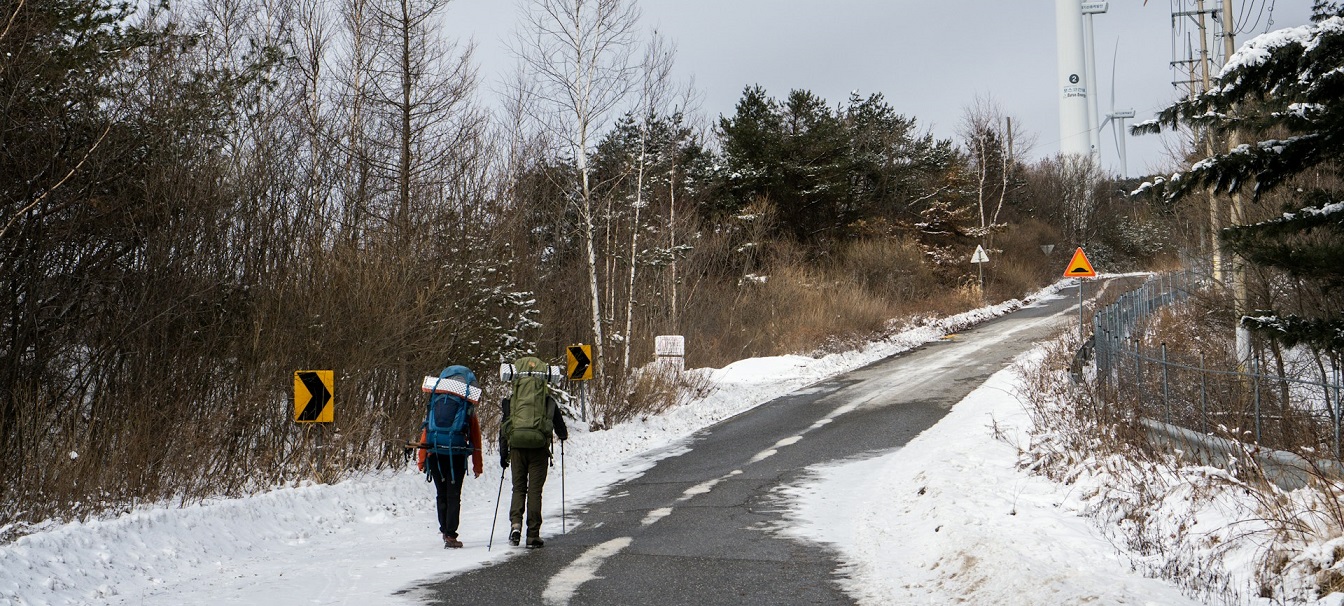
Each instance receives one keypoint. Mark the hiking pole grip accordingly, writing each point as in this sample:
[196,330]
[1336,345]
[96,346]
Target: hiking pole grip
[499,495]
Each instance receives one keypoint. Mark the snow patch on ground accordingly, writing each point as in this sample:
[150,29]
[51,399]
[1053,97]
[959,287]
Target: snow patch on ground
[950,519]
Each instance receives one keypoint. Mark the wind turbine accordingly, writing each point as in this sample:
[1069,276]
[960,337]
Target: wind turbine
[1117,118]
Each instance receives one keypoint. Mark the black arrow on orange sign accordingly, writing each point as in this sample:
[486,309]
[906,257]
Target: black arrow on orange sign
[320,396]
[581,362]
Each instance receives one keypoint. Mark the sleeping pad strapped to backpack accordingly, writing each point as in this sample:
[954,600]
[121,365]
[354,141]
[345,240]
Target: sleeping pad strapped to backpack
[446,421]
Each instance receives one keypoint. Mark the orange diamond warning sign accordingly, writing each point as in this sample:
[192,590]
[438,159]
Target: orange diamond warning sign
[1080,267]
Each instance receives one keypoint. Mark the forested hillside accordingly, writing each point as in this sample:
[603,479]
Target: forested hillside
[201,197]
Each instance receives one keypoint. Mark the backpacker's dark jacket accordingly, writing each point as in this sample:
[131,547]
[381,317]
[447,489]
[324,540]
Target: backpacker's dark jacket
[557,420]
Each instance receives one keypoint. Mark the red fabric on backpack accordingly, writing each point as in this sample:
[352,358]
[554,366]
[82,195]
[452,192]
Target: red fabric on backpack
[476,467]
[421,453]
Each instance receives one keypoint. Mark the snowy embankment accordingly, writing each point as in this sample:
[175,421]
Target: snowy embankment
[951,519]
[364,539]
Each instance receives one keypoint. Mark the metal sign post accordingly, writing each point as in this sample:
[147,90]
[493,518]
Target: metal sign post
[579,367]
[1079,267]
[313,394]
[980,258]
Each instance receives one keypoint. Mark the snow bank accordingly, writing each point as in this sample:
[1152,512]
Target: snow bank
[950,519]
[366,538]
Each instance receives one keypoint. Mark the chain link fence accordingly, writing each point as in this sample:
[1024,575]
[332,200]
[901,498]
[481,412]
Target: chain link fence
[1288,400]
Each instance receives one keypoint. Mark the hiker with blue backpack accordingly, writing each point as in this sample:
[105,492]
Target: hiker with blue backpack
[448,435]
[530,418]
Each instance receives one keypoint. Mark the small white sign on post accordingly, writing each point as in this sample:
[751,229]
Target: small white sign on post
[1092,8]
[980,255]
[671,352]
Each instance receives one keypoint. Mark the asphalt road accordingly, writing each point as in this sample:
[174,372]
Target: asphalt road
[699,528]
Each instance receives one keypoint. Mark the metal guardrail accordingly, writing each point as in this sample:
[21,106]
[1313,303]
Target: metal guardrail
[1191,396]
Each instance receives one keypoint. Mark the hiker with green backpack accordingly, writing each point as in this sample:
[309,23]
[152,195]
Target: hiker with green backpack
[530,417]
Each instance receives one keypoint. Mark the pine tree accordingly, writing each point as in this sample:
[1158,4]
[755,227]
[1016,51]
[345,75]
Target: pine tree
[826,170]
[1286,89]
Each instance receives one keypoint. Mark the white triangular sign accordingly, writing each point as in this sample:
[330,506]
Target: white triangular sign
[980,256]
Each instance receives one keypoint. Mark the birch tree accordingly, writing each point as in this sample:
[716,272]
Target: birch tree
[353,73]
[996,148]
[313,38]
[655,84]
[579,55]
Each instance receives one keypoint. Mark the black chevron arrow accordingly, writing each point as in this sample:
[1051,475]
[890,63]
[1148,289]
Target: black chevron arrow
[581,362]
[319,399]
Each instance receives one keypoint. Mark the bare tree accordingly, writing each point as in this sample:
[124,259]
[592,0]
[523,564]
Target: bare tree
[354,75]
[313,38]
[421,91]
[1073,177]
[579,54]
[996,149]
[655,86]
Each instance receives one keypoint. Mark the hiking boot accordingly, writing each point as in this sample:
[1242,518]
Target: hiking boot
[535,543]
[515,535]
[451,542]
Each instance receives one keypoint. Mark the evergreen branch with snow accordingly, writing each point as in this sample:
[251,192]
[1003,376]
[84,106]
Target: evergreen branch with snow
[1291,81]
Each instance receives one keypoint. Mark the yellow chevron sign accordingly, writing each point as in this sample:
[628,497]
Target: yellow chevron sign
[313,390]
[580,362]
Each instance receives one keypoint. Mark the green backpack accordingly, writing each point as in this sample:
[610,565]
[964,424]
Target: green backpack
[530,408]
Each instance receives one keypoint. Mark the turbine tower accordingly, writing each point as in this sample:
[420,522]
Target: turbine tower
[1090,55]
[1075,134]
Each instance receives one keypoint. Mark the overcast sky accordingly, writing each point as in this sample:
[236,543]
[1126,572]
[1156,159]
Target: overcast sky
[929,58]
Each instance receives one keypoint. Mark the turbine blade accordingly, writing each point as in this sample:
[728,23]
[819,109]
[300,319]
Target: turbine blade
[1114,55]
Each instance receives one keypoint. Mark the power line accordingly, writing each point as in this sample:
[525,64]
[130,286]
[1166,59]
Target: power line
[1265,6]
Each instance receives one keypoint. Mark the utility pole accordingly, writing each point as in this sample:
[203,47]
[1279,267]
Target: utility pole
[1239,295]
[1215,224]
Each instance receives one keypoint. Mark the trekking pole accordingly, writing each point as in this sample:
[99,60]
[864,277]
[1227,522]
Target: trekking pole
[562,487]
[498,496]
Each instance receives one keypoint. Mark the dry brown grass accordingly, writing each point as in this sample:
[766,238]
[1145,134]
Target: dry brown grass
[790,305]
[650,391]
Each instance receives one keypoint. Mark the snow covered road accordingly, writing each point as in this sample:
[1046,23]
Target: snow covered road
[371,540]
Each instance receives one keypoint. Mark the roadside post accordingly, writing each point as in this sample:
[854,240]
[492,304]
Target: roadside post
[670,351]
[313,394]
[1079,267]
[980,258]
[579,367]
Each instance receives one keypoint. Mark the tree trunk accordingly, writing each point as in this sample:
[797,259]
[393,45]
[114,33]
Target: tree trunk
[672,240]
[404,176]
[634,249]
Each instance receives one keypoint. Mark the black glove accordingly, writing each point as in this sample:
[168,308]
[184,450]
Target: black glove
[504,461]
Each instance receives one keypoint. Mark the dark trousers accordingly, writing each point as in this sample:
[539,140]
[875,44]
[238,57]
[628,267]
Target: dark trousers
[448,472]
[529,475]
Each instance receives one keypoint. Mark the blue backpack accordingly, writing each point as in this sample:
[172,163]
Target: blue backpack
[446,420]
